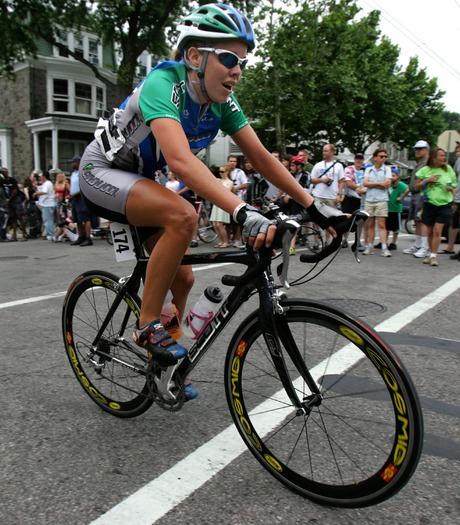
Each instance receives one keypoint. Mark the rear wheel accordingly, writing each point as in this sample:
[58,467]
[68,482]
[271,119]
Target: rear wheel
[111,370]
[357,437]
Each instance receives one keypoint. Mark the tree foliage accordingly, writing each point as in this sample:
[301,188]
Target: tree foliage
[327,75]
[133,26]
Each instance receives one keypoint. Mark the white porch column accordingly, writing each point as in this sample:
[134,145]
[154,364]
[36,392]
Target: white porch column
[54,146]
[37,164]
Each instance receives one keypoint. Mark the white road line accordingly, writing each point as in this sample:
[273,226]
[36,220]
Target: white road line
[32,300]
[60,294]
[162,494]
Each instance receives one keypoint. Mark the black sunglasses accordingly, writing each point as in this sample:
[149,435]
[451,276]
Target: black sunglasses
[226,58]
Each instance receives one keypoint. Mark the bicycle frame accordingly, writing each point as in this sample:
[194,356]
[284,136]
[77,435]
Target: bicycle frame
[263,283]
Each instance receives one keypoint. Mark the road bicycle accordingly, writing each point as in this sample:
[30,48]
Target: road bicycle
[318,397]
[206,231]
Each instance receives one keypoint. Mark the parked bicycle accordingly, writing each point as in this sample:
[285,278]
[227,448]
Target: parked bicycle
[206,231]
[322,402]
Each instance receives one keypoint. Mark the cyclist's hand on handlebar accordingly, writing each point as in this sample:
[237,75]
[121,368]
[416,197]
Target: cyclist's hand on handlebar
[256,229]
[325,216]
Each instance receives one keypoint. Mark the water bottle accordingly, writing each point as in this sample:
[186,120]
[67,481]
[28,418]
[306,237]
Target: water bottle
[203,312]
[169,317]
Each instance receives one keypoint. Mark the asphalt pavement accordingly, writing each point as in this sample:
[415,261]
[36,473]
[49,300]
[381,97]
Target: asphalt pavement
[65,462]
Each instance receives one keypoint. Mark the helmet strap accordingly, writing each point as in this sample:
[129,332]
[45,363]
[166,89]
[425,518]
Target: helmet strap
[200,73]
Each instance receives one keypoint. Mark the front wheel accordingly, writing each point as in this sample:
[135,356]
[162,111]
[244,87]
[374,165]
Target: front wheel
[110,368]
[356,437]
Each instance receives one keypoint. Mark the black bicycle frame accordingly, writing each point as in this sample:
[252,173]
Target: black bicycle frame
[262,281]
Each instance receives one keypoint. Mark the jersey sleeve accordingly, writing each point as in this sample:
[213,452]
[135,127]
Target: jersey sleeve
[232,118]
[161,94]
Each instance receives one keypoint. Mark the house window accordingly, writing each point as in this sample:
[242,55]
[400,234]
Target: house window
[60,95]
[77,98]
[61,38]
[99,102]
[83,98]
[79,47]
[93,51]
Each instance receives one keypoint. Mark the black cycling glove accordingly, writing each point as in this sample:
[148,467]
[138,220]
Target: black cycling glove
[322,214]
[252,221]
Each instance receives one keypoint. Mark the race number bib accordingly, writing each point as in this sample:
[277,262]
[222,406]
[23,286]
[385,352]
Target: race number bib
[123,243]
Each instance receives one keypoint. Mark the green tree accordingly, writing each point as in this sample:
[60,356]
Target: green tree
[133,26]
[326,75]
[452,120]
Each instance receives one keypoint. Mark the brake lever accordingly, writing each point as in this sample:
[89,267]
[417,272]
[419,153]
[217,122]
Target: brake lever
[357,226]
[283,268]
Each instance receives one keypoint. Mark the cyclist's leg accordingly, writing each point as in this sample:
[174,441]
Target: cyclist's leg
[129,198]
[177,219]
[183,281]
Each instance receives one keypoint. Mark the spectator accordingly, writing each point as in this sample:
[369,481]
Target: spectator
[33,214]
[455,221]
[219,217]
[67,229]
[308,165]
[15,204]
[46,204]
[79,212]
[257,186]
[61,194]
[328,179]
[397,191]
[377,180]
[419,247]
[437,182]
[3,211]
[354,189]
[172,183]
[240,183]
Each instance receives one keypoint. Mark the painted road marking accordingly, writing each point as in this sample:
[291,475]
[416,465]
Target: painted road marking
[161,495]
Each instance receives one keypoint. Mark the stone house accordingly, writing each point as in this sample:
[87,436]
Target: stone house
[49,112]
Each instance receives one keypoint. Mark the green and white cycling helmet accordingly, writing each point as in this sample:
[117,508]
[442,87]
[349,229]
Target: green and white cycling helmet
[215,22]
[210,22]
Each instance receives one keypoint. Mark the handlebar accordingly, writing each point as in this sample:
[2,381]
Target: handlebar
[342,226]
[287,227]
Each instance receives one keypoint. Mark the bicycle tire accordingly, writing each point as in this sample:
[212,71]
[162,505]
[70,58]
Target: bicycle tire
[120,389]
[362,443]
[206,232]
[409,225]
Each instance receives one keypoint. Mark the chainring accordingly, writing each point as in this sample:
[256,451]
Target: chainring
[153,374]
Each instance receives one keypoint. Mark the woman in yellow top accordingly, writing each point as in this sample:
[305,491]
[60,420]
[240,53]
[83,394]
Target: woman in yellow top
[437,183]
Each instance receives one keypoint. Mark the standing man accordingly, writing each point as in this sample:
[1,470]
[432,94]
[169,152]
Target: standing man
[420,246]
[377,180]
[328,179]
[80,214]
[240,183]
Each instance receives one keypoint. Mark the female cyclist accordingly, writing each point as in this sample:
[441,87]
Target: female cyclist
[175,112]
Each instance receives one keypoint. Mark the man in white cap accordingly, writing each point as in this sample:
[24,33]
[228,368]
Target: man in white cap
[420,246]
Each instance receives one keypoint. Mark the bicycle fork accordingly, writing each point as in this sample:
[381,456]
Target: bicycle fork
[277,334]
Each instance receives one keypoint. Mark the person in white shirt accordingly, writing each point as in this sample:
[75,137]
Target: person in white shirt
[328,177]
[46,203]
[328,180]
[240,183]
